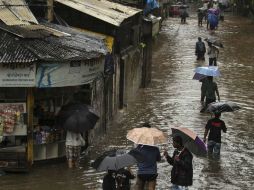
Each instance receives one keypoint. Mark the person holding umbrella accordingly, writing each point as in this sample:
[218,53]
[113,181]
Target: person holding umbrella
[123,177]
[75,118]
[210,91]
[147,170]
[214,127]
[109,180]
[147,139]
[73,144]
[182,171]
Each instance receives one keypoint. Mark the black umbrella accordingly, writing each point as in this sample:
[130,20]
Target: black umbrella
[222,107]
[117,159]
[214,41]
[76,117]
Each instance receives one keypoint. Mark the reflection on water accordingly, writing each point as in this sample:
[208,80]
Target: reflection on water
[173,99]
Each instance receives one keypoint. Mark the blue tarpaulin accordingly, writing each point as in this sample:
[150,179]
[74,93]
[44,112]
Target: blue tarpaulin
[213,20]
[150,5]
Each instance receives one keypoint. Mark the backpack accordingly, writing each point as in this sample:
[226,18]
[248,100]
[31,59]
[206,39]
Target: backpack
[201,46]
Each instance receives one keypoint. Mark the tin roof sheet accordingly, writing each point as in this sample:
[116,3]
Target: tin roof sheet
[32,31]
[113,13]
[16,12]
[76,46]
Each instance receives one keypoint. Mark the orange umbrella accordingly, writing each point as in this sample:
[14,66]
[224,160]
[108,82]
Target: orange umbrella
[147,136]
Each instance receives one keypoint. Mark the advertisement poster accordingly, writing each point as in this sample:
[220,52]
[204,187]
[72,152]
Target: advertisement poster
[11,116]
[17,74]
[68,74]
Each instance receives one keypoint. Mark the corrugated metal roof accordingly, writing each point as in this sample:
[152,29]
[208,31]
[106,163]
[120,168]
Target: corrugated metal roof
[12,51]
[113,13]
[16,12]
[78,46]
[32,31]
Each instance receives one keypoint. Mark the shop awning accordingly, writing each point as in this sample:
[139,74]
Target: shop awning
[112,13]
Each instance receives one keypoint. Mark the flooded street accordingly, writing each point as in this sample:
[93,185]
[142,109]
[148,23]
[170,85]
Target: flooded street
[173,99]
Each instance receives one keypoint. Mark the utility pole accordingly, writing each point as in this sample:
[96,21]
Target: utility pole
[50,10]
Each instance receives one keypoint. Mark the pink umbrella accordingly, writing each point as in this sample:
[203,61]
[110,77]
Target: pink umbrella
[190,140]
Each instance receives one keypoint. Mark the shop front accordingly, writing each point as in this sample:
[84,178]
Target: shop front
[31,94]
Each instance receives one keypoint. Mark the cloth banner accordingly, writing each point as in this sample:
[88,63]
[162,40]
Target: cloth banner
[68,74]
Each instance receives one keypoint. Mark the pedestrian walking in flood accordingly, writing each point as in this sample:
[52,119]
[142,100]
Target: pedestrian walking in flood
[213,53]
[123,177]
[210,89]
[200,17]
[200,49]
[109,181]
[214,127]
[183,15]
[73,143]
[203,89]
[182,171]
[147,170]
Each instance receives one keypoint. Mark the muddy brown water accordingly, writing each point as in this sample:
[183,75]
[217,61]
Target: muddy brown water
[173,100]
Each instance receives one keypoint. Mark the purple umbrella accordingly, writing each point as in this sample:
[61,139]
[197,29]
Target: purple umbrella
[190,140]
[214,11]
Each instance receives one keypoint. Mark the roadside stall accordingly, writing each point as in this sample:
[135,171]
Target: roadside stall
[45,74]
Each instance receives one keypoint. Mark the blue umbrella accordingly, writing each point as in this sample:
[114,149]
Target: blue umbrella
[208,71]
[198,76]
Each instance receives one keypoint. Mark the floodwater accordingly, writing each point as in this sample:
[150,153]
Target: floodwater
[173,100]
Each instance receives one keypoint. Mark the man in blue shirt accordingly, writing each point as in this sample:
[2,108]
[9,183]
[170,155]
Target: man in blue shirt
[147,170]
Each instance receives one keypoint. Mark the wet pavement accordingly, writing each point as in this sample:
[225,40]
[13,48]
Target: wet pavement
[173,99]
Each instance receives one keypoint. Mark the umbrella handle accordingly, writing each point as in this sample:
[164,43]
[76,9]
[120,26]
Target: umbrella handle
[181,151]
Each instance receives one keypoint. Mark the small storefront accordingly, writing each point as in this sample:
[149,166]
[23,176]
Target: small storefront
[29,102]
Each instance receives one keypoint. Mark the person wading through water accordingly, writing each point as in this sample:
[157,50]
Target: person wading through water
[200,49]
[182,171]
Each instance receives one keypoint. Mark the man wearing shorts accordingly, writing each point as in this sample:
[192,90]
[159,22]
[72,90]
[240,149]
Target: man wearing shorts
[73,143]
[147,170]
[214,126]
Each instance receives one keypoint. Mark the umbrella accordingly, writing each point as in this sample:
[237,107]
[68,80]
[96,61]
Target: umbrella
[216,42]
[198,76]
[147,136]
[214,11]
[190,140]
[76,117]
[208,71]
[183,7]
[222,107]
[116,159]
[202,9]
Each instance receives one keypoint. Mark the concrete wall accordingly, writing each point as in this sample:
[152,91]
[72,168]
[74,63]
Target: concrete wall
[133,73]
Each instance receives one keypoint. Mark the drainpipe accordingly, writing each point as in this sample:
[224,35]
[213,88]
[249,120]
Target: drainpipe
[30,106]
[50,10]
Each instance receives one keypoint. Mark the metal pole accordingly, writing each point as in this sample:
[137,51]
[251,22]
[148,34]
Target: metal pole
[30,106]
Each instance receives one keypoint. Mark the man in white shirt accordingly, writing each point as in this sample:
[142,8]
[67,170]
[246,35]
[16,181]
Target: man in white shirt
[213,53]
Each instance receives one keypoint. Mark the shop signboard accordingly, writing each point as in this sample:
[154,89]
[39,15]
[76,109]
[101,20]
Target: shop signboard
[68,74]
[17,74]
